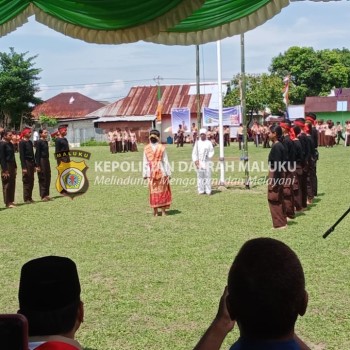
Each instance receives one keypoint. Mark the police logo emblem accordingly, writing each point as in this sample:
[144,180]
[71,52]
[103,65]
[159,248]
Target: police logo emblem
[72,180]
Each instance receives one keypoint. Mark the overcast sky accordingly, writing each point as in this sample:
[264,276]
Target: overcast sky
[107,72]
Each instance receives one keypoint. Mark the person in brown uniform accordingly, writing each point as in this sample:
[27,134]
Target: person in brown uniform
[43,165]
[26,154]
[8,169]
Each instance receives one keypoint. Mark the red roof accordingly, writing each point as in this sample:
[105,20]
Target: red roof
[143,100]
[67,105]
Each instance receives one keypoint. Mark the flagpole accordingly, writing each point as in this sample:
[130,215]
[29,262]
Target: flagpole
[244,116]
[221,129]
[198,97]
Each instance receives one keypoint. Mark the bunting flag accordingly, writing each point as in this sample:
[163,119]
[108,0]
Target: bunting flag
[285,90]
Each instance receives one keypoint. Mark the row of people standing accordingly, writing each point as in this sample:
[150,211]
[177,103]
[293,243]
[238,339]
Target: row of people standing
[212,134]
[330,134]
[31,163]
[260,134]
[121,141]
[292,181]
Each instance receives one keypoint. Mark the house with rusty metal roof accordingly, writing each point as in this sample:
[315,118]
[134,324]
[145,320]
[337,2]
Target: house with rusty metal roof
[336,106]
[138,109]
[72,108]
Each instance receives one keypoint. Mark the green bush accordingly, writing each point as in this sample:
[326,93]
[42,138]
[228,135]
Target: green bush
[94,143]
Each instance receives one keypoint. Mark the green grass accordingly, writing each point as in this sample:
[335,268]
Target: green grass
[155,283]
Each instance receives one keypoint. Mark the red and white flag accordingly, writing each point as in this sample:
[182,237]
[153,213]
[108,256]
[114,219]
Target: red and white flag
[285,90]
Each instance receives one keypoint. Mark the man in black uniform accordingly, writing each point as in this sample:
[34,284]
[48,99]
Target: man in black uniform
[43,165]
[311,119]
[306,147]
[61,144]
[288,194]
[26,154]
[8,169]
[277,163]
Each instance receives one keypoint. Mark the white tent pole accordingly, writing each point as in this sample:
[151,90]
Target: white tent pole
[221,129]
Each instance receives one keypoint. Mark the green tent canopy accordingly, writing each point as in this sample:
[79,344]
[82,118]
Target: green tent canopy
[170,22]
[98,21]
[218,19]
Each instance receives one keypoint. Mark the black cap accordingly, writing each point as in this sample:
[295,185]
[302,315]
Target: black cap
[155,132]
[48,283]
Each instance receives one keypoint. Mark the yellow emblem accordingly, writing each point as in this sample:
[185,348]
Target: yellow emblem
[71,179]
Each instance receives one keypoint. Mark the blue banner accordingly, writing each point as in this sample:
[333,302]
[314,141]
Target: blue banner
[231,116]
[180,116]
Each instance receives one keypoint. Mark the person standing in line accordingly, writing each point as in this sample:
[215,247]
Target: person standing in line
[133,141]
[156,169]
[180,136]
[277,162]
[288,194]
[299,160]
[227,136]
[15,140]
[256,133]
[61,144]
[305,144]
[311,121]
[43,165]
[265,132]
[26,154]
[8,169]
[347,133]
[125,141]
[202,152]
[111,141]
[339,131]
[194,131]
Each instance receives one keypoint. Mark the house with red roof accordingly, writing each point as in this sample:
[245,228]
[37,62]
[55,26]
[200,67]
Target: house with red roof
[72,108]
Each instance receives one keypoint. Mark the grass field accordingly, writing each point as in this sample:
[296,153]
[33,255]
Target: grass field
[155,283]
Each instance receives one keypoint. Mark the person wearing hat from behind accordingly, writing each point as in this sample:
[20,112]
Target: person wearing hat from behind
[202,152]
[49,297]
[61,144]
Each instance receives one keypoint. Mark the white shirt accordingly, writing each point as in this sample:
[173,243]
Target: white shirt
[35,136]
[202,151]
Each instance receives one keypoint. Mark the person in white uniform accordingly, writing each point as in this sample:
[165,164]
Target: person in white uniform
[202,152]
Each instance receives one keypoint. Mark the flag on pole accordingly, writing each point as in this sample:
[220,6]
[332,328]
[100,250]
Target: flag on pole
[285,90]
[159,112]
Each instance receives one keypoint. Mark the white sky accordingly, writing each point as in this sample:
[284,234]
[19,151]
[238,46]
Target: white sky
[107,72]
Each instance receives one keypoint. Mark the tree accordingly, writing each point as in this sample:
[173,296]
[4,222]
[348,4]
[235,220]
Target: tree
[262,90]
[18,78]
[313,73]
[47,121]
